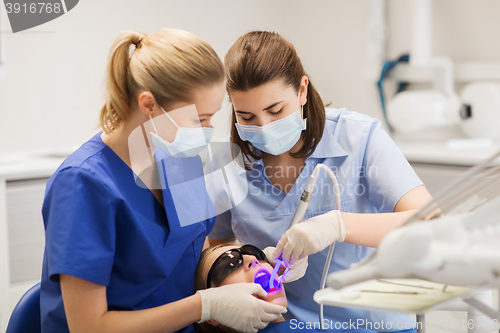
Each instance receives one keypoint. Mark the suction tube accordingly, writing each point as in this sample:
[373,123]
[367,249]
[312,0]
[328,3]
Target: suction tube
[306,195]
[332,246]
[299,215]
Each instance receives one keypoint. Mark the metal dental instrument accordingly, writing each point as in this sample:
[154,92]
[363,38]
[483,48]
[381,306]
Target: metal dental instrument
[412,285]
[405,284]
[299,215]
[392,292]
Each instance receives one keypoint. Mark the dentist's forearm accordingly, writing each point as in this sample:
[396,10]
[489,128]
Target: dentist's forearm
[166,318]
[86,308]
[369,229]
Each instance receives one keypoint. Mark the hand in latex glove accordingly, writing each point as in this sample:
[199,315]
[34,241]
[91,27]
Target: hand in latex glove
[236,306]
[294,272]
[311,236]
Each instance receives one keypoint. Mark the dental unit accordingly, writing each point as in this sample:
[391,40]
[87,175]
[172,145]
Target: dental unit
[452,240]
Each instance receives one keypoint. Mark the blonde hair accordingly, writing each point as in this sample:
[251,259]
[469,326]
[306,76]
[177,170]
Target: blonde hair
[169,63]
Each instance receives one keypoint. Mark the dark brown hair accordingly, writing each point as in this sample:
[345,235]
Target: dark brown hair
[200,283]
[259,57]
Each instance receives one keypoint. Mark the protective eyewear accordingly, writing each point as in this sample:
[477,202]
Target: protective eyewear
[230,261]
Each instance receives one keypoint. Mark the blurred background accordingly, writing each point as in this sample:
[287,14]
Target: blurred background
[51,80]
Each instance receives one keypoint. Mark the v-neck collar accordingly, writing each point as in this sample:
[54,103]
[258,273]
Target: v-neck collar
[125,168]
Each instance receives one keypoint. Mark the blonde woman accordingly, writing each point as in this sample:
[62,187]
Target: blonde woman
[117,258]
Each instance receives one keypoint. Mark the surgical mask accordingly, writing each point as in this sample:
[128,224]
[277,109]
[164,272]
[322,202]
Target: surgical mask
[278,136]
[188,142]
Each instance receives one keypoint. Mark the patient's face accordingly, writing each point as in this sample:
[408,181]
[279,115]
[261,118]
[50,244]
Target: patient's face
[251,267]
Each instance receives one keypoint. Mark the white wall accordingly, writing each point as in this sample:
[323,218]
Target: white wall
[332,40]
[51,88]
[52,80]
[462,30]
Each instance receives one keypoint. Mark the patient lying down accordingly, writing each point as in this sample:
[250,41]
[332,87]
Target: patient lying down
[219,266]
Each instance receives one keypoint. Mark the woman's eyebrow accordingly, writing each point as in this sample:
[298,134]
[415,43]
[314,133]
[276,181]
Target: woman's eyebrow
[265,109]
[207,114]
[272,105]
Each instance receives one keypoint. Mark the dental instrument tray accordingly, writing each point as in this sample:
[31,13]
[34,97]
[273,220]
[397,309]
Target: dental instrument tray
[393,295]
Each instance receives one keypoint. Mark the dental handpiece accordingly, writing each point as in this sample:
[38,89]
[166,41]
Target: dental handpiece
[298,215]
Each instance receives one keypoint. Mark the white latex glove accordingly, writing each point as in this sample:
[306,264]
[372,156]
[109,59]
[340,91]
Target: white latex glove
[293,272]
[235,306]
[311,236]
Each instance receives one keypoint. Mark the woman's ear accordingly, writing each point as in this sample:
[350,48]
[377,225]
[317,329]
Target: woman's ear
[146,103]
[213,322]
[304,83]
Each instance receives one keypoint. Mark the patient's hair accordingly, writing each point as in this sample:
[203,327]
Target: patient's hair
[200,283]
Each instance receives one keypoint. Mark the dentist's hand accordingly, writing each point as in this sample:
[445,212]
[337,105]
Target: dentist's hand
[311,236]
[236,306]
[293,272]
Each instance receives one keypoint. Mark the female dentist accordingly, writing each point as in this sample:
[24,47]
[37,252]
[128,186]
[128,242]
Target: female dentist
[283,130]
[117,258]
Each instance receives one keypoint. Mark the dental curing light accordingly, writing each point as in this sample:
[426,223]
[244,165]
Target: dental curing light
[263,278]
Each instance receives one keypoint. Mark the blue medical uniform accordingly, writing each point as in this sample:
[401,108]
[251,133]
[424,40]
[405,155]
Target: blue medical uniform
[373,176]
[101,226]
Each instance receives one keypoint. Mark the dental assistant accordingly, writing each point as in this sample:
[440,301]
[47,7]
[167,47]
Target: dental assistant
[117,256]
[283,130]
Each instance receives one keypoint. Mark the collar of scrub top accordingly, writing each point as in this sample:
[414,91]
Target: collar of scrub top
[189,187]
[329,146]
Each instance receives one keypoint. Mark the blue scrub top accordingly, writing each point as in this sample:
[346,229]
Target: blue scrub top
[102,227]
[373,176]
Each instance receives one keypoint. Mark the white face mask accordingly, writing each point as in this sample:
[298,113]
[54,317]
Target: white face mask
[188,142]
[277,137]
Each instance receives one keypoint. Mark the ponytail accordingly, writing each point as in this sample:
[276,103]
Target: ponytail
[169,63]
[115,110]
